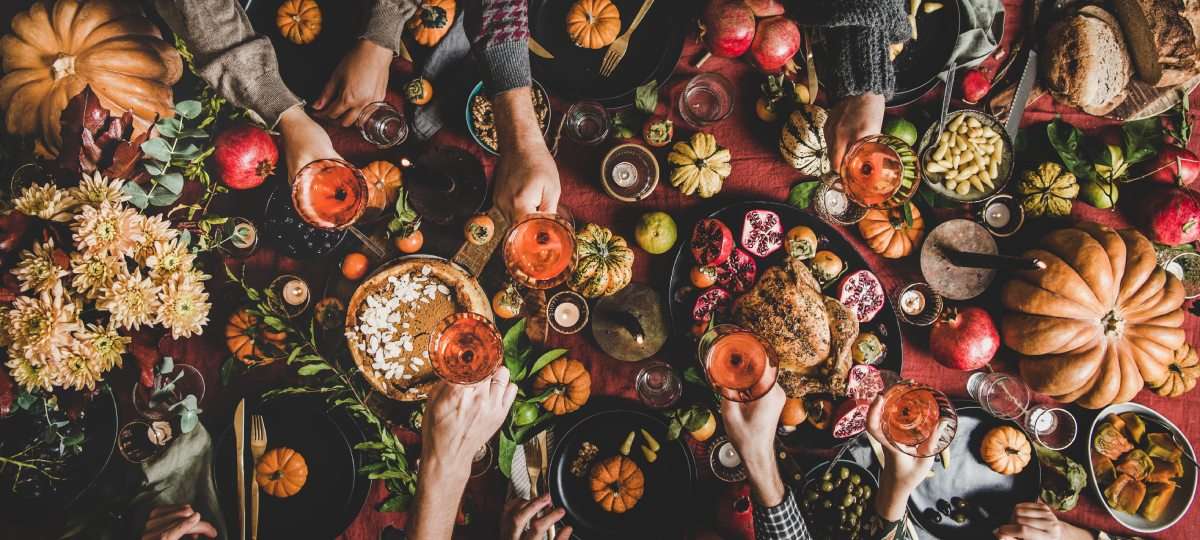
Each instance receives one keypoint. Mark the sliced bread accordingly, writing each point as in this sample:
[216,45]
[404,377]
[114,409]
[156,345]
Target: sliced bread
[1084,61]
[1163,38]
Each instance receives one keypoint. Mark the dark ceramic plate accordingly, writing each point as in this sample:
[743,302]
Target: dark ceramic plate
[919,64]
[670,480]
[970,478]
[334,492]
[574,73]
[683,296]
[307,67]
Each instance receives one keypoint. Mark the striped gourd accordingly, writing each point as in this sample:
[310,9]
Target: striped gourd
[604,265]
[802,142]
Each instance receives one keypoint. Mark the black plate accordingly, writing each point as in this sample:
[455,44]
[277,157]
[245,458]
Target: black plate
[334,492]
[970,478]
[922,60]
[574,73]
[680,303]
[670,480]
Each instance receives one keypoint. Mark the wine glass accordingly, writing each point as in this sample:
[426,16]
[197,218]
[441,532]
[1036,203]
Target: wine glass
[1007,397]
[539,251]
[918,419]
[330,194]
[467,348]
[880,171]
[739,365]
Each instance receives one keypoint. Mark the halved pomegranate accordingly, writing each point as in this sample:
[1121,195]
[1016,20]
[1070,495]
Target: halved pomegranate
[850,418]
[739,272]
[862,293]
[712,302]
[864,382]
[762,232]
[712,242]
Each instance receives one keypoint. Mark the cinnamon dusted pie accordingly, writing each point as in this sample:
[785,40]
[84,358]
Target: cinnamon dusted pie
[392,315]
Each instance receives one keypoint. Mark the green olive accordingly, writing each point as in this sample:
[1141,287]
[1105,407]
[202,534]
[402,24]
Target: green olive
[855,479]
[811,495]
[827,504]
[826,486]
[843,473]
[866,492]
[848,500]
[827,476]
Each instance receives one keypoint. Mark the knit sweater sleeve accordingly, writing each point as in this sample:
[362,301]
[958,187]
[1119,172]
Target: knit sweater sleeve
[385,22]
[229,56]
[499,33]
[855,35]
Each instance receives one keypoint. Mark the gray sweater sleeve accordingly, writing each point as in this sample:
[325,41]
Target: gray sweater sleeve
[855,35]
[385,22]
[233,59]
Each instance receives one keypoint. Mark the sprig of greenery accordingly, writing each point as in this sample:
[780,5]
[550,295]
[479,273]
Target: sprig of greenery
[526,417]
[168,155]
[405,221]
[31,456]
[212,106]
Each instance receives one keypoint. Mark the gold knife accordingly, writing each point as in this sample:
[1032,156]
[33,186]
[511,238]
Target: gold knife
[538,49]
[239,440]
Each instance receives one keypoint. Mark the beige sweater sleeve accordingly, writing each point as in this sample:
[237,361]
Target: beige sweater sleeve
[240,64]
[385,23]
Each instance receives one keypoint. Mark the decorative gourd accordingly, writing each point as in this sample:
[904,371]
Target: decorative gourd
[299,20]
[604,265]
[432,21]
[802,142]
[250,341]
[1098,321]
[571,383]
[1005,450]
[699,164]
[56,49]
[386,175]
[1180,375]
[888,234]
[281,472]
[617,484]
[593,24]
[1048,190]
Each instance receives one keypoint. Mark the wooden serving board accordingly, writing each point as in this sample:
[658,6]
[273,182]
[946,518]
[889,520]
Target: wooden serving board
[1145,101]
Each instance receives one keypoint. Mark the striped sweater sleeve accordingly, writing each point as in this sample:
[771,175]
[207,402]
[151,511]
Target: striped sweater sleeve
[499,33]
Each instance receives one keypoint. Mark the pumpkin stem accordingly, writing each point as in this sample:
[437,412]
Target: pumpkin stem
[1114,325]
[63,66]
[277,475]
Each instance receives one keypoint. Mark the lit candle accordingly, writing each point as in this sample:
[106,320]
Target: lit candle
[624,174]
[912,302]
[997,215]
[295,292]
[244,235]
[566,314]
[1175,269]
[1044,421]
[728,456]
[836,202]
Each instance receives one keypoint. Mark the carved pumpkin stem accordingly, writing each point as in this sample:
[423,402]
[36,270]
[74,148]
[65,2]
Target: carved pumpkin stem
[63,66]
[1114,325]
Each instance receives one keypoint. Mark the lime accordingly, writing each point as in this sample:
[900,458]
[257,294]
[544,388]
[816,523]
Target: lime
[525,414]
[656,232]
[901,129]
[1099,193]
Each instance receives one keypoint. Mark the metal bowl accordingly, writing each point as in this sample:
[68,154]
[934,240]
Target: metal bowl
[933,180]
[477,89]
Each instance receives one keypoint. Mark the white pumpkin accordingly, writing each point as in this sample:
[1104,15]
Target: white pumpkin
[802,142]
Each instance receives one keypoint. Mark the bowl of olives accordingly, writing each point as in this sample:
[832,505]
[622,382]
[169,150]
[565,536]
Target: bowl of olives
[835,500]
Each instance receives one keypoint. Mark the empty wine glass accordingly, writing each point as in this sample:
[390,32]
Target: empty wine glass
[1007,397]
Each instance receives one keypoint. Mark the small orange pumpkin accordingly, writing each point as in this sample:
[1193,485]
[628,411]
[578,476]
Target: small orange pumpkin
[617,484]
[386,179]
[593,24]
[299,20]
[281,472]
[250,341]
[1006,450]
[432,21]
[571,383]
[1181,373]
[887,234]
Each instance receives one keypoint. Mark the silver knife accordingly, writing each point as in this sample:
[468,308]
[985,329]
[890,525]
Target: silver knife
[1043,12]
[239,440]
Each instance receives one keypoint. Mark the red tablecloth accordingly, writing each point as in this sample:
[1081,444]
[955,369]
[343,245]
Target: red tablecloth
[758,174]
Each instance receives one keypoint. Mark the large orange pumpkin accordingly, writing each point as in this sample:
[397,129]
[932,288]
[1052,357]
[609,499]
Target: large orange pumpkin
[571,384]
[888,234]
[299,20]
[432,21]
[617,484]
[593,24]
[281,472]
[56,49]
[1180,375]
[250,341]
[1101,319]
[1006,450]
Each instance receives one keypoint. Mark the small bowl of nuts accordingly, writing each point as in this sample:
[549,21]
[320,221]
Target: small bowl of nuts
[481,123]
[970,160]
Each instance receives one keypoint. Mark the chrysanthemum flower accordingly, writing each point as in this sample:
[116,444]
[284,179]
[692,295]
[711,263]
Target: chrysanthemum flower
[107,228]
[167,259]
[47,202]
[104,344]
[131,300]
[36,270]
[96,190]
[41,327]
[185,305]
[31,376]
[91,273]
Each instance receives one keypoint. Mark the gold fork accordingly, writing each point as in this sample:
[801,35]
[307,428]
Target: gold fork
[616,50]
[258,447]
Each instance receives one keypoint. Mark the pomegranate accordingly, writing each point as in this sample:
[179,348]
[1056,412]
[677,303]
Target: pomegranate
[762,232]
[712,242]
[765,8]
[861,292]
[864,382]
[850,419]
[964,338]
[245,156]
[1175,165]
[1171,215]
[727,27]
[739,272]
[712,302]
[735,516]
[776,40]
[975,85]
[12,229]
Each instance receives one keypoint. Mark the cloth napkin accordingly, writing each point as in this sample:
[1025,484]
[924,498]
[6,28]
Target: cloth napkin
[449,53]
[977,39]
[182,475]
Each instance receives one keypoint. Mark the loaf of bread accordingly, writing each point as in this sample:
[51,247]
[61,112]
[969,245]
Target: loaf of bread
[1084,62]
[1163,38]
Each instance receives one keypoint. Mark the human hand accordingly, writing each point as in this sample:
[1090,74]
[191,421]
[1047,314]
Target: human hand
[901,472]
[304,141]
[459,419]
[850,119]
[519,521]
[176,522]
[1035,521]
[751,428]
[361,78]
[526,177]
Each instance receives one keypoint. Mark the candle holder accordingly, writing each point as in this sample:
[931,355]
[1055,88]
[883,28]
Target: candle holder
[135,443]
[830,203]
[724,460]
[658,386]
[382,125]
[290,295]
[918,304]
[567,312]
[155,402]
[629,172]
[1185,265]
[1002,215]
[239,237]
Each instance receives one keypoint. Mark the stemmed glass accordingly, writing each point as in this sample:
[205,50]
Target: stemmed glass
[539,251]
[917,419]
[1008,398]
[739,365]
[467,348]
[879,171]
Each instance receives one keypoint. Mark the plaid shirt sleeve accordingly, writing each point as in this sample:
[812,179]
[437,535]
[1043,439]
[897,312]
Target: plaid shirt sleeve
[780,522]
[499,33]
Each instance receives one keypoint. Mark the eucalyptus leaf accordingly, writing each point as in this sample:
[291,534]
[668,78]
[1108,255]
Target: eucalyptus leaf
[172,182]
[189,109]
[187,153]
[188,421]
[137,195]
[157,149]
[168,128]
[192,133]
[154,167]
[160,196]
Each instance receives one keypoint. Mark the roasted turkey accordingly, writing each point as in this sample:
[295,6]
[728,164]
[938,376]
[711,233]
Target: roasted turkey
[810,333]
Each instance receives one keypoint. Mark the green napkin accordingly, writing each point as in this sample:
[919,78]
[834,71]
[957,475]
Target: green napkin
[182,475]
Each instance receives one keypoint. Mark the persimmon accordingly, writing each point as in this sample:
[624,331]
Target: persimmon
[354,266]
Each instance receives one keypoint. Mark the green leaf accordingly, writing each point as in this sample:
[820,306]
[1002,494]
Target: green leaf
[172,182]
[192,133]
[387,475]
[160,196]
[137,195]
[312,369]
[169,127]
[626,123]
[674,429]
[1140,139]
[1065,140]
[801,194]
[906,208]
[646,97]
[228,370]
[187,153]
[505,455]
[275,323]
[692,375]
[189,109]
[154,167]
[369,445]
[934,200]
[541,397]
[398,502]
[157,149]
[25,400]
[546,358]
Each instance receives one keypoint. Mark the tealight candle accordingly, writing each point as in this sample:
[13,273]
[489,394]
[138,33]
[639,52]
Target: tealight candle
[728,457]
[912,302]
[295,292]
[997,215]
[624,174]
[836,202]
[244,235]
[566,314]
